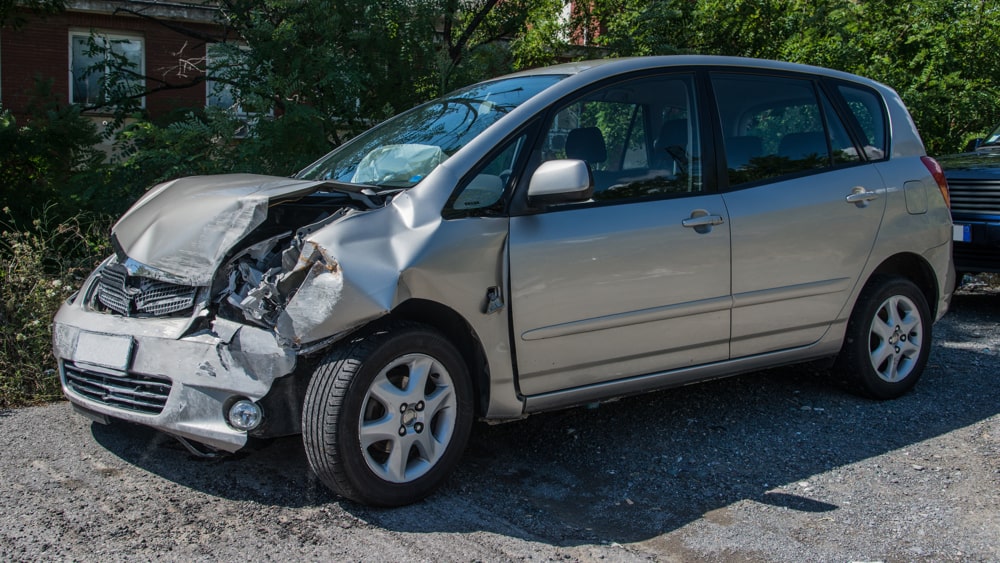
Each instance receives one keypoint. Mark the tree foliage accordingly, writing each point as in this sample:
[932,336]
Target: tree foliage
[312,74]
[48,156]
[938,54]
[14,13]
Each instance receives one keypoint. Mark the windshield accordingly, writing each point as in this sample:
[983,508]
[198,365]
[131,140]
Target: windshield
[993,138]
[405,149]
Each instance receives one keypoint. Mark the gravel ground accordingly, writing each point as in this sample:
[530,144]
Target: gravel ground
[774,466]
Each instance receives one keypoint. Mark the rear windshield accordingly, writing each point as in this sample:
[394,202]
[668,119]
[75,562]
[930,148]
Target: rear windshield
[406,148]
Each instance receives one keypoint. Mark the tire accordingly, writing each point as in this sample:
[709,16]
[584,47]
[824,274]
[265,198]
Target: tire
[888,339]
[372,432]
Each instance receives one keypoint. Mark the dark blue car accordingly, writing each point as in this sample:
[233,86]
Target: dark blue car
[974,184]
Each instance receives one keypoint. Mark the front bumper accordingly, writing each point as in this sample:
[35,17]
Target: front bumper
[152,372]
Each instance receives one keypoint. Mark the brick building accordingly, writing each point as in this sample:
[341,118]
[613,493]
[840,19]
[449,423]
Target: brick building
[56,47]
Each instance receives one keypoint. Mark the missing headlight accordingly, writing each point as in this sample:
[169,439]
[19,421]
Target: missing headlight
[262,279]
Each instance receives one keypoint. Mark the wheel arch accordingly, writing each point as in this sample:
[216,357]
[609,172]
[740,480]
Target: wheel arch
[459,332]
[916,269]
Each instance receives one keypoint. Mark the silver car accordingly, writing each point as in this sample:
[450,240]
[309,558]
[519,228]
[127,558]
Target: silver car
[542,240]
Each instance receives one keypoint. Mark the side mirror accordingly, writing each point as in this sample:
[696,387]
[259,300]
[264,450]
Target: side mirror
[560,181]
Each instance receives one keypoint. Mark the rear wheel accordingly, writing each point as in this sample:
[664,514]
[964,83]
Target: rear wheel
[387,415]
[888,339]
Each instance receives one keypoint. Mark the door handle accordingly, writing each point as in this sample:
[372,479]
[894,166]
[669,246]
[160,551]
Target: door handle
[701,221]
[860,196]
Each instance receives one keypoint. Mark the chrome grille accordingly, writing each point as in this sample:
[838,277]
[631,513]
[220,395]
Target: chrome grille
[111,289]
[132,392]
[975,197]
[130,295]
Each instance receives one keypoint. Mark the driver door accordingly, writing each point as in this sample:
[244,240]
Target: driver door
[636,280]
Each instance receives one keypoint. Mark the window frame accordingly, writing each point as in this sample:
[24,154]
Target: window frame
[530,132]
[106,36]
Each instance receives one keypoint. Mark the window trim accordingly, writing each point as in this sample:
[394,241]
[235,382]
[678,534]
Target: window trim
[531,132]
[107,35]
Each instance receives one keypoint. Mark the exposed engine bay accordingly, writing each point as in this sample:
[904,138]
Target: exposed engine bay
[257,282]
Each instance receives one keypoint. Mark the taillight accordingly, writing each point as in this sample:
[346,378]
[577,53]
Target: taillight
[935,169]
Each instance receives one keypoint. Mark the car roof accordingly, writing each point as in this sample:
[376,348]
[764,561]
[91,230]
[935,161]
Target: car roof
[614,66]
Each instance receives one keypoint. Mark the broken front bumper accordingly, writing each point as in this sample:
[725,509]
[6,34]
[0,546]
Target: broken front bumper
[148,371]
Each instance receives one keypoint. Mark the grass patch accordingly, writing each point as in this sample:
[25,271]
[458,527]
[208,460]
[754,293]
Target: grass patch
[41,265]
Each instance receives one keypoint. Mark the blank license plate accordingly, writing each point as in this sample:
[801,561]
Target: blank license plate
[105,350]
[961,233]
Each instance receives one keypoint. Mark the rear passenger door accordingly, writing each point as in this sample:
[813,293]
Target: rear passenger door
[635,280]
[805,205]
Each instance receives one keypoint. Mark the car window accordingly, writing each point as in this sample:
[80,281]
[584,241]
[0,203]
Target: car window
[867,109]
[773,126]
[639,138]
[993,138]
[842,149]
[485,188]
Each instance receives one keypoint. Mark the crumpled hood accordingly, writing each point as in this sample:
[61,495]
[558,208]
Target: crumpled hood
[182,229]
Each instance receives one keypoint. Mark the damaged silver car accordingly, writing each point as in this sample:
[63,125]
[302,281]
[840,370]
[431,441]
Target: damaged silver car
[547,239]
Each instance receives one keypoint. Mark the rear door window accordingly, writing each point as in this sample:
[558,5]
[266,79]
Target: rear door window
[775,126]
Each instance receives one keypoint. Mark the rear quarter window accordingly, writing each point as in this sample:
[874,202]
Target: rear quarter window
[867,110]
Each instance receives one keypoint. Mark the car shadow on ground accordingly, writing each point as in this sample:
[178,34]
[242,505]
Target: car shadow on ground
[640,467]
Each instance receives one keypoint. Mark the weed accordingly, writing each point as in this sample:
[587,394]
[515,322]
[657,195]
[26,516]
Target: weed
[41,264]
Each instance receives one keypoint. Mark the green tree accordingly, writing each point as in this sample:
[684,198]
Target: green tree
[938,54]
[312,74]
[50,157]
[14,13]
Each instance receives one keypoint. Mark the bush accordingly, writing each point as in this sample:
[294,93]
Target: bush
[50,157]
[40,266]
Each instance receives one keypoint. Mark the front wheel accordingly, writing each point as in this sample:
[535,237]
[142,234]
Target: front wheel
[888,339]
[387,415]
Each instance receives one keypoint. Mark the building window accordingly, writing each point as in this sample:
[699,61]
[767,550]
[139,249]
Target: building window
[222,63]
[96,57]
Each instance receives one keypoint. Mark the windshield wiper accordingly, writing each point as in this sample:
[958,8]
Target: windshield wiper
[370,195]
[362,193]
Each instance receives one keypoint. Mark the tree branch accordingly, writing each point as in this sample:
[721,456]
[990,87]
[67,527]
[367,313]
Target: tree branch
[455,51]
